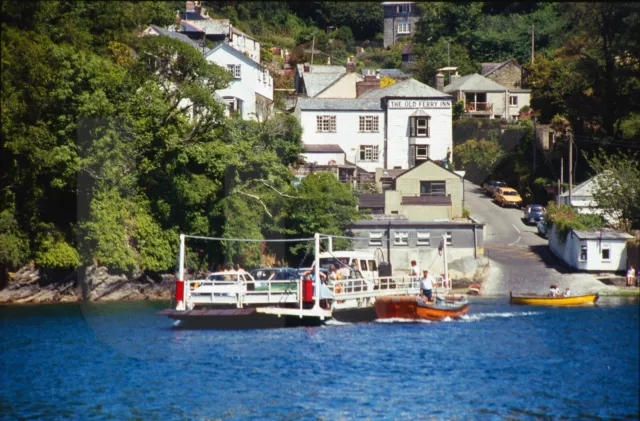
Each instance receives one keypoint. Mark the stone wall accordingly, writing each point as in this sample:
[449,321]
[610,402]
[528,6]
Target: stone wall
[509,76]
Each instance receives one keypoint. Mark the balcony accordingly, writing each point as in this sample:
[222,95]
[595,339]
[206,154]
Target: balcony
[479,108]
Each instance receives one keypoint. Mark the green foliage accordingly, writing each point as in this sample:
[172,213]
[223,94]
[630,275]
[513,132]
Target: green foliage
[457,110]
[433,56]
[466,213]
[565,218]
[55,253]
[483,154]
[617,187]
[14,245]
[325,205]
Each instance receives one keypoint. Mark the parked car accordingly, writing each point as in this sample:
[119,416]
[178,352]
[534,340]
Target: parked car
[280,278]
[491,186]
[542,228]
[506,196]
[533,213]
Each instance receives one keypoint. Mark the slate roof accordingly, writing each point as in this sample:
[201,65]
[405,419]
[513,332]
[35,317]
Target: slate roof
[316,83]
[392,173]
[322,148]
[211,26]
[604,233]
[368,201]
[584,189]
[474,82]
[238,54]
[316,68]
[488,68]
[427,200]
[177,35]
[409,88]
[339,104]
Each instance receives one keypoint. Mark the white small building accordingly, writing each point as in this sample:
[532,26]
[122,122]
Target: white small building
[601,249]
[394,127]
[250,93]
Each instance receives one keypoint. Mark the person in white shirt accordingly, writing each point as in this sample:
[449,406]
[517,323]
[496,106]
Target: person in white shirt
[426,286]
[631,274]
[566,293]
[414,272]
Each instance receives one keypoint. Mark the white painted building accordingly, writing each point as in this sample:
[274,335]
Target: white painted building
[592,250]
[397,126]
[250,93]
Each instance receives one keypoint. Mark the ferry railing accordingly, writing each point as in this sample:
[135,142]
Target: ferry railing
[242,293]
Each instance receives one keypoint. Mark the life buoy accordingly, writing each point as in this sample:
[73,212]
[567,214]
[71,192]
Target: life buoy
[337,289]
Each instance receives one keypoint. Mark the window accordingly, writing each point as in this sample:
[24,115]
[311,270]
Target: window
[375,238]
[433,188]
[363,265]
[422,151]
[424,239]
[401,238]
[235,70]
[326,123]
[583,253]
[448,237]
[368,123]
[419,126]
[513,100]
[372,265]
[369,153]
[606,253]
[404,9]
[404,28]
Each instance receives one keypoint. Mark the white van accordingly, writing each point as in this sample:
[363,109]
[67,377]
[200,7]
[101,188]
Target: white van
[363,261]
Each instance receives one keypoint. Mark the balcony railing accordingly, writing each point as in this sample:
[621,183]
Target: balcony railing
[479,107]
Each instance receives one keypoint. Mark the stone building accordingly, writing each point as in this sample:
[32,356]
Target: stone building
[400,18]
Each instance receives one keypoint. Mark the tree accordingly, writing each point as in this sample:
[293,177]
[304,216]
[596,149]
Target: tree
[617,187]
[324,205]
[483,154]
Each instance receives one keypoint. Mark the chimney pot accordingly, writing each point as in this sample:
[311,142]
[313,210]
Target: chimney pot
[307,68]
[440,82]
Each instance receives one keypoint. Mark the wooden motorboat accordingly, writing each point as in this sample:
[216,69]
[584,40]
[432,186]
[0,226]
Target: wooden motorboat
[539,300]
[414,308]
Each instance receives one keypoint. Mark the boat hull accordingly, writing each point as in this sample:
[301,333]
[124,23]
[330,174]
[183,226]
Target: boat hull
[236,319]
[578,300]
[412,308]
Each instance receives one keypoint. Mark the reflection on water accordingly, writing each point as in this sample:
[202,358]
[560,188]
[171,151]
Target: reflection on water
[122,361]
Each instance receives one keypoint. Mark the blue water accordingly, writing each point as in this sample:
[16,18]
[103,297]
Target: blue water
[121,361]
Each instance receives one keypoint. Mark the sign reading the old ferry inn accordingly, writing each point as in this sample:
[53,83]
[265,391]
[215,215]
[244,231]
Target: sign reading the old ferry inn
[402,103]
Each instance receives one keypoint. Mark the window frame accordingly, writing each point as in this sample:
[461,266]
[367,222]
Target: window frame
[431,190]
[375,238]
[373,151]
[415,130]
[513,103]
[583,248]
[401,238]
[423,238]
[404,28]
[425,156]
[372,121]
[235,70]
[326,124]
[606,247]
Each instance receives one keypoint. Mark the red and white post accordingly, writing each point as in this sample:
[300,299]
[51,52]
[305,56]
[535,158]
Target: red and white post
[180,285]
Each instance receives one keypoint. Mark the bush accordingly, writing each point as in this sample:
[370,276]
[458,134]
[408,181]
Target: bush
[565,218]
[57,254]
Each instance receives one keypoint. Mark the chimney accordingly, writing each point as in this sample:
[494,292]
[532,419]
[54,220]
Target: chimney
[307,68]
[440,82]
[190,6]
[371,82]
[454,77]
[377,73]
[351,67]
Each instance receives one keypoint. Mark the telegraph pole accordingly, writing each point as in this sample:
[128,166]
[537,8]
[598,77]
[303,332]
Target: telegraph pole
[561,174]
[532,44]
[535,136]
[313,48]
[570,164]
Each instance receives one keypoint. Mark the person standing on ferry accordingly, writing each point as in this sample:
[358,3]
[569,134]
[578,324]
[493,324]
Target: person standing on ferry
[426,286]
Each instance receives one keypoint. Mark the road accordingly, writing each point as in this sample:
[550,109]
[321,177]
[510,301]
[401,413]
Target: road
[520,260]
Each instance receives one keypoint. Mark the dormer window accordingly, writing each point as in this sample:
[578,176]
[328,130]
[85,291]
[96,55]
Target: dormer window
[404,9]
[419,126]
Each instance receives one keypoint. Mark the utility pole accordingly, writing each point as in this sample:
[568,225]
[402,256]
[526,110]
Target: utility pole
[570,165]
[532,44]
[535,138]
[313,48]
[448,54]
[561,174]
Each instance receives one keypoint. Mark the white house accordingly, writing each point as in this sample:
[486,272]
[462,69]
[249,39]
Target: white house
[582,198]
[591,250]
[484,97]
[250,93]
[394,127]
